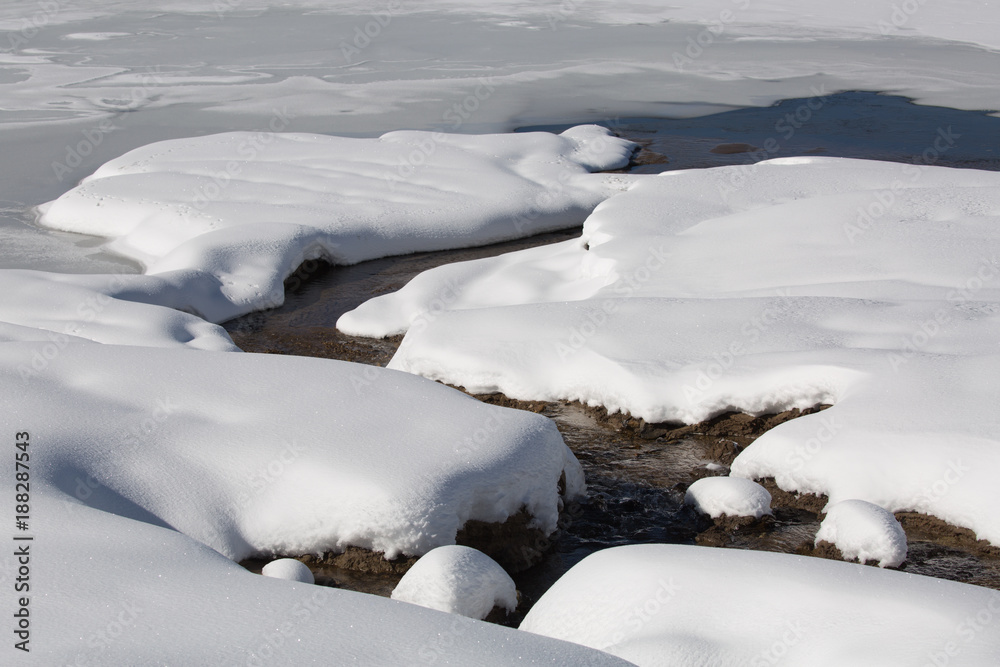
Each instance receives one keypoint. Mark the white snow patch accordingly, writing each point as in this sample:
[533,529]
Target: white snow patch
[228,217]
[864,531]
[684,606]
[61,308]
[263,454]
[762,288]
[154,592]
[290,569]
[96,36]
[458,580]
[732,496]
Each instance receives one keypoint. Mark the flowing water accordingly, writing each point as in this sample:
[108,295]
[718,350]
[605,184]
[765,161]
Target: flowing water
[636,484]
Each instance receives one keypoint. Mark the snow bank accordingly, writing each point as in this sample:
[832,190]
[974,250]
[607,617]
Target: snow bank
[236,213]
[290,569]
[732,496]
[864,531]
[152,594]
[680,605]
[61,308]
[869,285]
[457,580]
[258,454]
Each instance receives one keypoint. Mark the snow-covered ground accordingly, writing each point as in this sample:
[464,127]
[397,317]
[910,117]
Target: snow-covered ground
[871,286]
[224,219]
[156,449]
[676,606]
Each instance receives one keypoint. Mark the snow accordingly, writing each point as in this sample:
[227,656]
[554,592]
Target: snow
[155,452]
[159,467]
[239,212]
[458,580]
[75,104]
[63,308]
[866,285]
[864,531]
[730,496]
[682,605]
[290,569]
[257,454]
[152,594]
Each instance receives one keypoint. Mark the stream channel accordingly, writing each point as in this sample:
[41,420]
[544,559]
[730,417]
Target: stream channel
[636,473]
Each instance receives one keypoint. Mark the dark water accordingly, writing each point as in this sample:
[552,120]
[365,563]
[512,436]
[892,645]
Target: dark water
[854,124]
[636,485]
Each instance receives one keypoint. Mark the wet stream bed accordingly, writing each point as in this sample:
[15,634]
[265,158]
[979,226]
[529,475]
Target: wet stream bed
[637,473]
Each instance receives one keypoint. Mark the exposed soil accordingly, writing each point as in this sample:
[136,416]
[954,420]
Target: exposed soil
[637,472]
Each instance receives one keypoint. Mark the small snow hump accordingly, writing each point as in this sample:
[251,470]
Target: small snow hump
[732,496]
[864,531]
[290,569]
[458,580]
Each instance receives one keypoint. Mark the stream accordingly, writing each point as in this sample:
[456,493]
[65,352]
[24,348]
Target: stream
[636,482]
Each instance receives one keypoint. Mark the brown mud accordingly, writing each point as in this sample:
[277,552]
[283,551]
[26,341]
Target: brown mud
[637,472]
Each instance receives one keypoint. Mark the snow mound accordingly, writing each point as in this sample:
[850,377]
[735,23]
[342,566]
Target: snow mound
[732,496]
[262,454]
[870,286]
[290,569]
[864,531]
[457,580]
[232,215]
[62,308]
[681,605]
[163,594]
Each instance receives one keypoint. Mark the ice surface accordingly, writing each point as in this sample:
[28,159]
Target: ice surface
[681,605]
[864,531]
[72,104]
[457,580]
[794,282]
[290,569]
[730,496]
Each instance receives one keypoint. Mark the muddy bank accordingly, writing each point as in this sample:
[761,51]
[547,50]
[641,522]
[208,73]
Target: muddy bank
[637,472]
